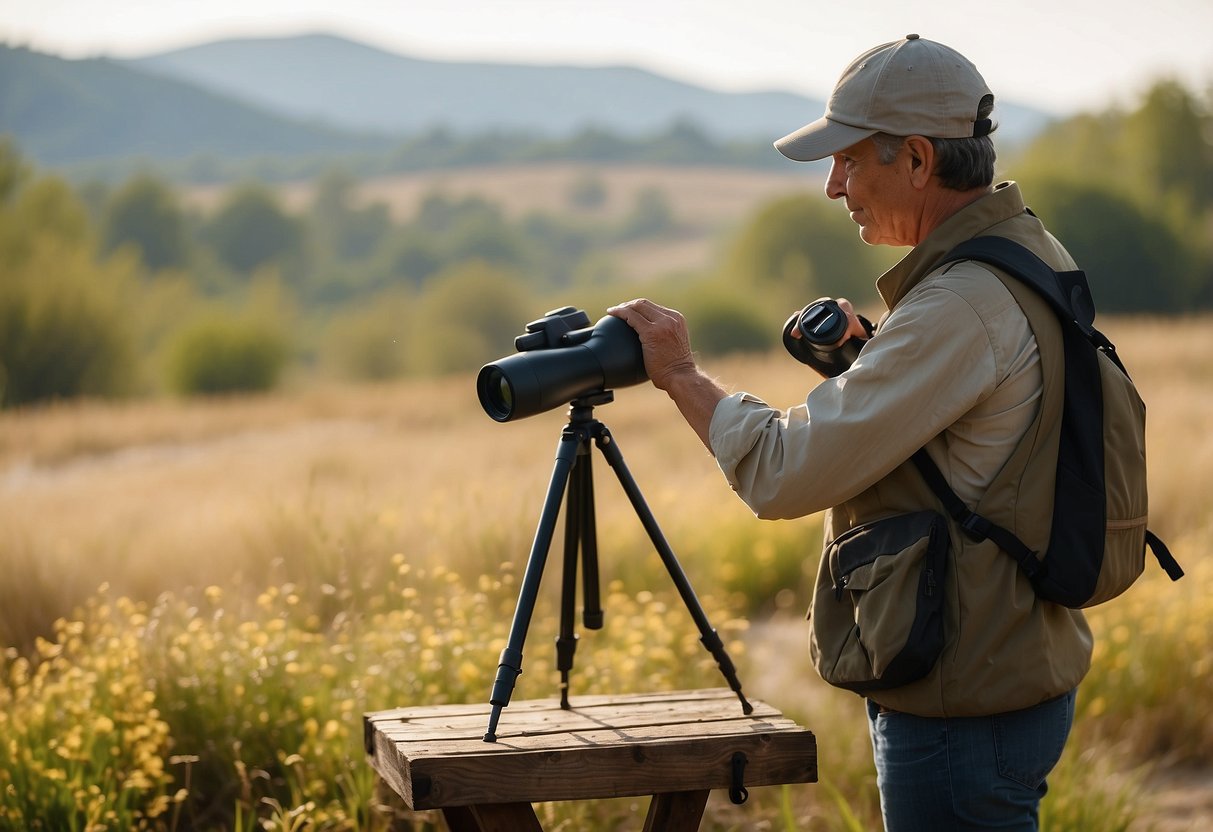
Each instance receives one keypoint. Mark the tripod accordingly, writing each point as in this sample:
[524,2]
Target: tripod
[573,471]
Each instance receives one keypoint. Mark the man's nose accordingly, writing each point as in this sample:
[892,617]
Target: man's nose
[835,182]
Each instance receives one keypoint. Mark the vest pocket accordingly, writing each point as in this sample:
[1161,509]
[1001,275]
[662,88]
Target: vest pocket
[878,622]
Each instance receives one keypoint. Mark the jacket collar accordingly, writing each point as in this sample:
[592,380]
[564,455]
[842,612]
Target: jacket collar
[1003,203]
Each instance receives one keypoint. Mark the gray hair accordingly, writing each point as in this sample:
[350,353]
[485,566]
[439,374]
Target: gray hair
[960,164]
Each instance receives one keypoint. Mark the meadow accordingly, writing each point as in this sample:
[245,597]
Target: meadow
[201,598]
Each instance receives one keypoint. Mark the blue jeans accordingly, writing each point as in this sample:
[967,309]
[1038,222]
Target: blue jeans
[942,774]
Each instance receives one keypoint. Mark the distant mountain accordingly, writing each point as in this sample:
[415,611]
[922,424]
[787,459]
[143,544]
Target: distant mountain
[69,111]
[288,106]
[359,87]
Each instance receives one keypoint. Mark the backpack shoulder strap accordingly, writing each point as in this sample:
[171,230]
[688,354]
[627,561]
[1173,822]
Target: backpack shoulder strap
[1068,293]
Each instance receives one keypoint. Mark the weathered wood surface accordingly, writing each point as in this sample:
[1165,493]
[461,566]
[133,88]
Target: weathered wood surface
[604,746]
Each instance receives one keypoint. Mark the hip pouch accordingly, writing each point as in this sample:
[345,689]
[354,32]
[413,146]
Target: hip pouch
[877,619]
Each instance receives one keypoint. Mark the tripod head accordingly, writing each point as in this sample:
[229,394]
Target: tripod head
[581,409]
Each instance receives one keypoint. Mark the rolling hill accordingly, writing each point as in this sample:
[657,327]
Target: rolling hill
[318,96]
[64,111]
[356,86]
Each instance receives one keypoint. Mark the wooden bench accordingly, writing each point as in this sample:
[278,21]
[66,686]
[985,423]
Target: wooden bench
[676,746]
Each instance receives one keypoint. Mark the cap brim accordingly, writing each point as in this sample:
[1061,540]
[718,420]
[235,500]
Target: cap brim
[820,139]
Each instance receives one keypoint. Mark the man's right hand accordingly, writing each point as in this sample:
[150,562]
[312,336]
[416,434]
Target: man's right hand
[855,327]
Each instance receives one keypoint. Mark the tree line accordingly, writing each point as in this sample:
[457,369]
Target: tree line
[122,289]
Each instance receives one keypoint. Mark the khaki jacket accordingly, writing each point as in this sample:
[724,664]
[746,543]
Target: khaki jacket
[970,367]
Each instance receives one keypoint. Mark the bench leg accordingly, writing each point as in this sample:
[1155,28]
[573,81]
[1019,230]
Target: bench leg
[492,817]
[676,811]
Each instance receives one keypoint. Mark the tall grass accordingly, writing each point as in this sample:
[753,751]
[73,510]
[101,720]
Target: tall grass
[203,601]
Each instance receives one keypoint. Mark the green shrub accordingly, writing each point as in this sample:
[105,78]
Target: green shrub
[367,342]
[468,315]
[217,355]
[725,322]
[62,330]
[63,313]
[1134,259]
[799,248]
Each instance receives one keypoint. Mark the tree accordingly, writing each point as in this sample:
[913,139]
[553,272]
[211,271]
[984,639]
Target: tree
[651,216]
[468,316]
[454,231]
[251,230]
[410,255]
[800,248]
[62,322]
[145,214]
[63,327]
[344,230]
[13,170]
[1130,193]
[1133,260]
[1168,140]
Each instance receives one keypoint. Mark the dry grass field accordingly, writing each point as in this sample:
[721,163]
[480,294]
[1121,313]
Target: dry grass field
[263,569]
[703,196]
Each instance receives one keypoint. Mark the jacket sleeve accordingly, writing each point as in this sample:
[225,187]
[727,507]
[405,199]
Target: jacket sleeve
[931,362]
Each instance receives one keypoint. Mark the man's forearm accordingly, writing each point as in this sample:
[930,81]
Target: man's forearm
[696,395]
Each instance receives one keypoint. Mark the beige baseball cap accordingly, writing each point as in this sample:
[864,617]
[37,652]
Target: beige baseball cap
[910,87]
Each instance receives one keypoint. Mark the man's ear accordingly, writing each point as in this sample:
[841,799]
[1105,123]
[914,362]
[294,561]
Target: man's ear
[921,154]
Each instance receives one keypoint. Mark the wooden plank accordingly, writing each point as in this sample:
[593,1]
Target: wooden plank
[546,716]
[711,700]
[555,719]
[425,745]
[621,751]
[622,722]
[676,811]
[586,701]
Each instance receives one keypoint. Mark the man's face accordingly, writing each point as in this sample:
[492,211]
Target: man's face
[880,197]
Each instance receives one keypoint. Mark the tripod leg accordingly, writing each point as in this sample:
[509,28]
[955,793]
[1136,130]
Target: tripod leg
[591,599]
[509,666]
[708,636]
[566,641]
[579,531]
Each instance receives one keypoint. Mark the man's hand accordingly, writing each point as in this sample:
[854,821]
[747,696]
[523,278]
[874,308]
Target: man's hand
[855,328]
[822,358]
[663,338]
[669,363]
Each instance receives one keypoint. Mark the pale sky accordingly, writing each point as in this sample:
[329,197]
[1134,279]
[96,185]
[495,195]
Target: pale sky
[1059,55]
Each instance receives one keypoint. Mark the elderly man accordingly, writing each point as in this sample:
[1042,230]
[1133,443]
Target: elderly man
[960,365]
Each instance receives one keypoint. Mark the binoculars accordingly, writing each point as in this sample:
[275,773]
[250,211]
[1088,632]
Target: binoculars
[821,325]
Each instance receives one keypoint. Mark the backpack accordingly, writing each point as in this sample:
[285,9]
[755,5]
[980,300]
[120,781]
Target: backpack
[1098,538]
